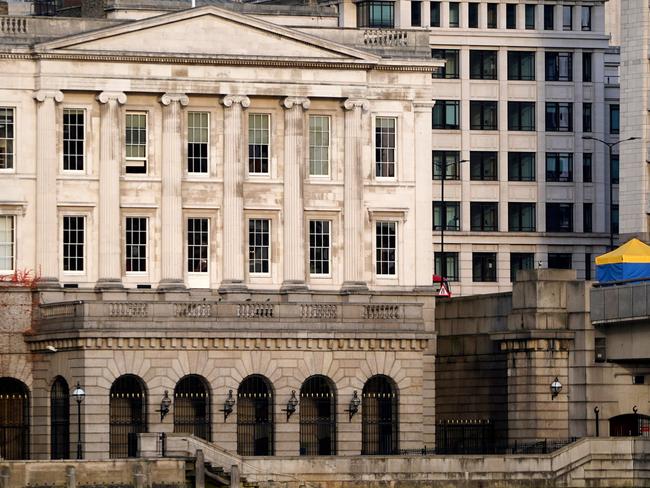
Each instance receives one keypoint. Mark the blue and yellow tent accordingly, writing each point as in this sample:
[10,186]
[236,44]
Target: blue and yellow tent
[627,262]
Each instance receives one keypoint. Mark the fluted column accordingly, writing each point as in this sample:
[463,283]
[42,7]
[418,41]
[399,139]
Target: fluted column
[171,204]
[110,157]
[47,251]
[233,198]
[353,195]
[294,154]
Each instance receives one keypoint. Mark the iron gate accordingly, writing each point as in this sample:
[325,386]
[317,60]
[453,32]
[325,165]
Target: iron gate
[192,407]
[462,436]
[379,433]
[255,417]
[14,419]
[60,419]
[127,413]
[317,417]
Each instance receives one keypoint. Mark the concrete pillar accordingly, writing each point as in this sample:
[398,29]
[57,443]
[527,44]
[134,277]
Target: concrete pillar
[110,156]
[353,218]
[423,193]
[70,477]
[47,253]
[171,205]
[233,198]
[293,225]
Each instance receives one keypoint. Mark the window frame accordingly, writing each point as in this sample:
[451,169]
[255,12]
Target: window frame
[483,106]
[444,105]
[518,108]
[437,265]
[585,26]
[454,6]
[395,274]
[549,17]
[269,247]
[587,66]
[12,244]
[515,213]
[516,160]
[587,217]
[527,9]
[379,150]
[555,66]
[434,14]
[83,245]
[487,61]
[587,117]
[557,216]
[328,173]
[516,61]
[199,246]
[130,160]
[444,73]
[511,15]
[444,155]
[328,248]
[487,163]
[416,13]
[567,24]
[614,128]
[65,111]
[146,246]
[249,145]
[492,15]
[10,155]
[615,169]
[559,255]
[481,209]
[485,276]
[366,20]
[558,117]
[438,205]
[589,157]
[207,144]
[556,157]
[520,257]
[473,15]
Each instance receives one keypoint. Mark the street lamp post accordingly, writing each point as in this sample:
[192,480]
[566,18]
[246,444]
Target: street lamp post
[610,147]
[79,394]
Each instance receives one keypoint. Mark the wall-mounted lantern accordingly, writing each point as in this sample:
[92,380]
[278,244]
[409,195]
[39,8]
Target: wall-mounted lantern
[556,387]
[355,403]
[228,405]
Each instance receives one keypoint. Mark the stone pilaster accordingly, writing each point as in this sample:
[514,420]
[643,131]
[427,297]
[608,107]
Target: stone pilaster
[294,152]
[171,205]
[353,195]
[110,157]
[46,168]
[233,198]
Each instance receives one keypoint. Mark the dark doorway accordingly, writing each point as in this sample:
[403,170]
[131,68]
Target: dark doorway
[14,419]
[317,417]
[379,434]
[629,424]
[60,419]
[255,417]
[128,403]
[192,407]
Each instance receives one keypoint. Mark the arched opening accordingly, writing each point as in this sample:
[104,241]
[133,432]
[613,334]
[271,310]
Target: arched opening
[317,417]
[192,407]
[14,419]
[128,402]
[629,424]
[255,417]
[379,421]
[60,419]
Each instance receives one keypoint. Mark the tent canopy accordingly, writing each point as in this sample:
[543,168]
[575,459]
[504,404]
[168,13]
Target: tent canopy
[629,261]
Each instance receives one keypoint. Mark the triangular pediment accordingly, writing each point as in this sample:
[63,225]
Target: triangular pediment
[207,31]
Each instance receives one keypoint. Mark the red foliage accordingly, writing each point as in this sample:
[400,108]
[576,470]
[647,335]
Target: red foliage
[22,277]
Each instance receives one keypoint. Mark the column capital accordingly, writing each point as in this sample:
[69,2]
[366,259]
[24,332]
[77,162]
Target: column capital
[229,100]
[352,103]
[291,102]
[181,98]
[106,96]
[42,95]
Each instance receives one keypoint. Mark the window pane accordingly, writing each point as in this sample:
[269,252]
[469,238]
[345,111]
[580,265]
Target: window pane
[259,245]
[73,243]
[136,244]
[197,245]
[454,14]
[520,261]
[484,266]
[447,267]
[73,139]
[197,142]
[258,143]
[319,247]
[319,145]
[7,242]
[385,137]
[530,17]
[6,138]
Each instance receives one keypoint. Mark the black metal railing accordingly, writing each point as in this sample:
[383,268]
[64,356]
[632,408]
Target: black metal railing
[14,419]
[192,407]
[126,416]
[317,417]
[379,418]
[60,420]
[464,436]
[544,446]
[255,417]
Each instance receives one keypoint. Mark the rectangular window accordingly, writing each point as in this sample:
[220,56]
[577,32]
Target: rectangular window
[615,219]
[587,217]
[319,145]
[7,243]
[376,13]
[136,143]
[319,247]
[416,13]
[521,65]
[614,119]
[567,17]
[136,244]
[451,213]
[586,117]
[559,167]
[6,138]
[521,166]
[450,69]
[74,238]
[385,143]
[197,142]
[520,261]
[559,116]
[484,266]
[530,16]
[259,246]
[482,65]
[446,163]
[450,270]
[198,231]
[472,15]
[588,266]
[559,217]
[484,216]
[586,67]
[73,139]
[560,260]
[585,18]
[586,167]
[511,16]
[549,17]
[434,10]
[600,349]
[385,248]
[454,14]
[492,15]
[259,130]
[446,114]
[521,217]
[483,115]
[559,66]
[614,169]
[521,116]
[483,165]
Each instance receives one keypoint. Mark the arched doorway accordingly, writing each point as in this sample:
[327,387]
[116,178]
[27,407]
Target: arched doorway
[192,407]
[629,424]
[60,419]
[128,402]
[14,419]
[255,417]
[379,434]
[317,417]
